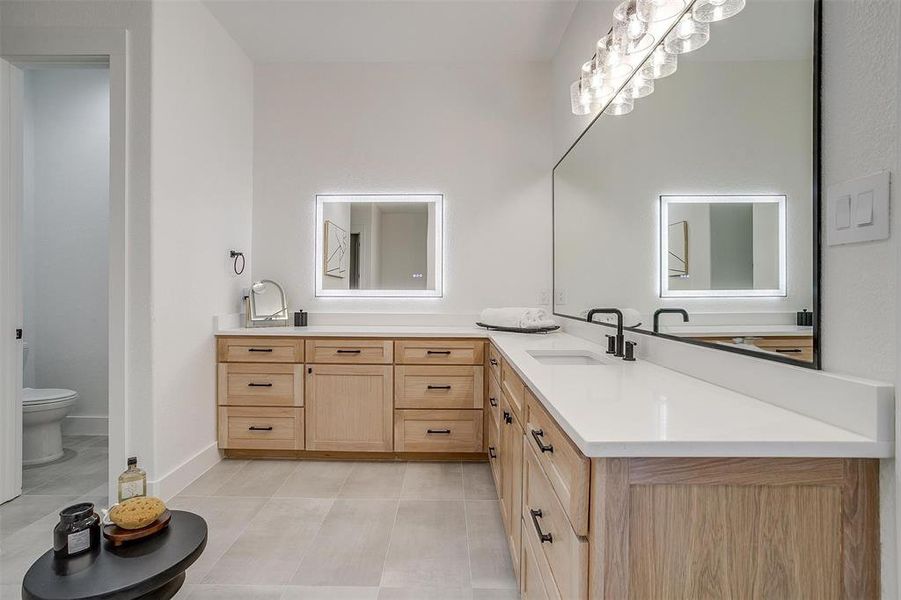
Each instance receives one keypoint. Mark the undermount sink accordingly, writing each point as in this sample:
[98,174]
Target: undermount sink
[566,357]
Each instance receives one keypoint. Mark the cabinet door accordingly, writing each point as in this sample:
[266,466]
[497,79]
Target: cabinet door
[349,408]
[511,479]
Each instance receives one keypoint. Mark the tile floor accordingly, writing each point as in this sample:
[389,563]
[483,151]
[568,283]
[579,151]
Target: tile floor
[286,530]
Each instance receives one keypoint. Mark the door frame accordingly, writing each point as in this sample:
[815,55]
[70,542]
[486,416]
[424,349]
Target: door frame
[20,47]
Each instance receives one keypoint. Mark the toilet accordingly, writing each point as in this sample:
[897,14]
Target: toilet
[43,411]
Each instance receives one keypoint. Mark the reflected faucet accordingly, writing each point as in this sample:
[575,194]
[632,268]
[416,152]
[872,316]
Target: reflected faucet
[620,339]
[675,311]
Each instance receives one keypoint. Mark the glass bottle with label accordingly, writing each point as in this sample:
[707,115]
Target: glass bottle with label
[132,481]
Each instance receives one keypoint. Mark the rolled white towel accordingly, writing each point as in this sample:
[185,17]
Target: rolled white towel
[517,317]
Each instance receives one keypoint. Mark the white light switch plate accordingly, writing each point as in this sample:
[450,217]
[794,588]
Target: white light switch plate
[858,210]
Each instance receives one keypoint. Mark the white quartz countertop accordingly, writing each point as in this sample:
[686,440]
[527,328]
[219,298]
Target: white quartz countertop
[738,330]
[399,331]
[638,409]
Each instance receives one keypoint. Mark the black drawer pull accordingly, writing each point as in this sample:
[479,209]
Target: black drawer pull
[438,352]
[439,387]
[491,452]
[493,362]
[492,401]
[259,349]
[537,433]
[789,350]
[259,384]
[255,428]
[508,418]
[441,431]
[544,537]
[342,351]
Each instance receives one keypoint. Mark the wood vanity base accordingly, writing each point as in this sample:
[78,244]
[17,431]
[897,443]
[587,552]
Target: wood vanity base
[734,528]
[374,456]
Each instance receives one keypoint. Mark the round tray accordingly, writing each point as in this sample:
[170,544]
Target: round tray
[520,329]
[118,536]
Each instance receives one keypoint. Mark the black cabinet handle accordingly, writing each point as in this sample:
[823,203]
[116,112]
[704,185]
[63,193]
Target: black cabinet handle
[493,362]
[491,452]
[438,387]
[438,352]
[259,385]
[508,418]
[441,431]
[492,401]
[342,351]
[544,537]
[537,433]
[259,349]
[788,350]
[255,428]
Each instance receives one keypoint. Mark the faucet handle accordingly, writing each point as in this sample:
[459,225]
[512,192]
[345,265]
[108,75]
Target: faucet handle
[630,351]
[611,344]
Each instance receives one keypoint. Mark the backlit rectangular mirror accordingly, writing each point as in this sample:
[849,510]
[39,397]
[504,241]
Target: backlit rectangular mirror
[379,245]
[695,193]
[722,246]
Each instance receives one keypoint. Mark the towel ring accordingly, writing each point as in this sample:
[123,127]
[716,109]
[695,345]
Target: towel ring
[236,255]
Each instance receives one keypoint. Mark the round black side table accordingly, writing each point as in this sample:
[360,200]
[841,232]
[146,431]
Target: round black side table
[151,569]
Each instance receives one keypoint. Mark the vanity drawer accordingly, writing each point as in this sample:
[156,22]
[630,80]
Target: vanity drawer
[546,524]
[438,430]
[438,387]
[514,389]
[338,351]
[535,573]
[255,428]
[439,352]
[494,361]
[567,470]
[260,384]
[797,348]
[260,350]
[494,440]
[494,398]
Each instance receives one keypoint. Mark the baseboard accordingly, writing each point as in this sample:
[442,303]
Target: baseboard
[85,425]
[183,475]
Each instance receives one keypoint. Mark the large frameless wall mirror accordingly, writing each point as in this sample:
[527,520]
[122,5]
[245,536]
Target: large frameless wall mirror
[701,198]
[379,245]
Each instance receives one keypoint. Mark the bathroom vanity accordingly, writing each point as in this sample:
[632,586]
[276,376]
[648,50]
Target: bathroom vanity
[614,479]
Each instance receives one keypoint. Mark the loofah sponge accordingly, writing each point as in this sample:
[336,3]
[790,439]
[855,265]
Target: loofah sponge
[135,513]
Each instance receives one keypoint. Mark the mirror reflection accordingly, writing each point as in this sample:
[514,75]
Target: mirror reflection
[267,305]
[694,213]
[379,245]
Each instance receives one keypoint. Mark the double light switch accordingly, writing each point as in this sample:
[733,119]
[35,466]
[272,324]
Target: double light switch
[858,210]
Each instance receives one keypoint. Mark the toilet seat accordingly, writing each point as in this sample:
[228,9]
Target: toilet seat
[35,398]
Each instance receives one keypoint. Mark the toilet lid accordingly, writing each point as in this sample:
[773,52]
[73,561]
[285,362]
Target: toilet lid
[32,396]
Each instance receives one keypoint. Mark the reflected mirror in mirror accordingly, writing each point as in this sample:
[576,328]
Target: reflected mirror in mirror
[379,245]
[268,306]
[722,246]
[704,198]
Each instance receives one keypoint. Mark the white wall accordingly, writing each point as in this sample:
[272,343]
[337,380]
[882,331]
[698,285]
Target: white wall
[65,237]
[202,198]
[480,134]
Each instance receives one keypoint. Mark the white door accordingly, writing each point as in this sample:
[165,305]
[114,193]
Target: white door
[11,139]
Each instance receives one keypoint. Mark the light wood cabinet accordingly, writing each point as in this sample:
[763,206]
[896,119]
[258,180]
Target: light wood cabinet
[349,408]
[536,581]
[439,352]
[254,384]
[438,387]
[260,349]
[261,428]
[494,362]
[510,456]
[514,390]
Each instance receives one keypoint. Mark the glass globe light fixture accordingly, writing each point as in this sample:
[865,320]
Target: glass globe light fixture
[651,11]
[610,58]
[622,104]
[629,32]
[709,11]
[639,86]
[687,35]
[581,101]
[660,64]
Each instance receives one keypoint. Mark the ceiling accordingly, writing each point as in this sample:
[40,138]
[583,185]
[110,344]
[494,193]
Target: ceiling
[274,31]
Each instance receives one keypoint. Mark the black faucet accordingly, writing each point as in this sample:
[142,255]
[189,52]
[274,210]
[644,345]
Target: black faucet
[675,311]
[620,339]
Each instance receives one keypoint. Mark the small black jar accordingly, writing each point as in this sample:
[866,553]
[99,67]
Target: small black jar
[78,530]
